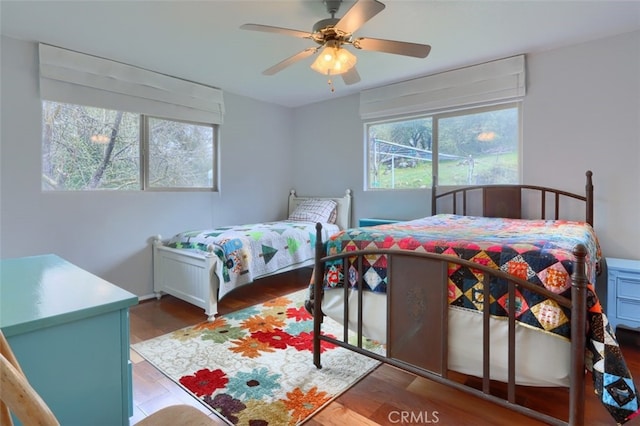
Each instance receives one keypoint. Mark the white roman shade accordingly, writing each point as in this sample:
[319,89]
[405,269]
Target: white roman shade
[72,77]
[494,81]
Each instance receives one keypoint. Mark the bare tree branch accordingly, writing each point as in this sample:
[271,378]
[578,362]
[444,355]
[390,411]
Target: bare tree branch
[97,177]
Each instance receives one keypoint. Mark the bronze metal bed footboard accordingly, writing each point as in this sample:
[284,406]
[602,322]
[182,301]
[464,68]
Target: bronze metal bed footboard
[417,312]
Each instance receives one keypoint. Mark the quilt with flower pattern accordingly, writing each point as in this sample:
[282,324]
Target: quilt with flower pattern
[539,251]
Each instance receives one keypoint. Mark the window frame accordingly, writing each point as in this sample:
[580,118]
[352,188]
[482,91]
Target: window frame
[144,156]
[435,117]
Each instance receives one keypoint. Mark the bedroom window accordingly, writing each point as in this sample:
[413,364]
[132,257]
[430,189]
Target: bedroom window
[180,154]
[462,147]
[102,127]
[89,148]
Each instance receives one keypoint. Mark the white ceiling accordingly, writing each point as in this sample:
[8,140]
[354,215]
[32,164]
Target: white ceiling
[201,40]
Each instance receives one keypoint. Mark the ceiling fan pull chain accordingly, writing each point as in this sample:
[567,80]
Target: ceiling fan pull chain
[329,81]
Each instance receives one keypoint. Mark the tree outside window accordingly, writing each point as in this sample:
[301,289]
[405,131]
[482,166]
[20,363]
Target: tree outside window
[86,148]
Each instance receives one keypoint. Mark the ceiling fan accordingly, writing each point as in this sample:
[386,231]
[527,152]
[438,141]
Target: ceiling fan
[333,34]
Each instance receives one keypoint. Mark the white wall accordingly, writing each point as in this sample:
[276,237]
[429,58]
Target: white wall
[581,112]
[107,233]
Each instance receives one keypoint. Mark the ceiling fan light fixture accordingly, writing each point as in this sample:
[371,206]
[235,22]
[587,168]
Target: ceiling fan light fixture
[332,33]
[333,61]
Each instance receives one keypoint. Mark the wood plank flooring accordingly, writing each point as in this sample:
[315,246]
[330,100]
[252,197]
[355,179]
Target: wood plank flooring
[387,396]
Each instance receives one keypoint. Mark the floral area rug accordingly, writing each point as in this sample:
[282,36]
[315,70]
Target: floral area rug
[255,366]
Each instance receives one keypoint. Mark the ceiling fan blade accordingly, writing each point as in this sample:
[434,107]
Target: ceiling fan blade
[289,61]
[390,46]
[276,30]
[351,76]
[358,14]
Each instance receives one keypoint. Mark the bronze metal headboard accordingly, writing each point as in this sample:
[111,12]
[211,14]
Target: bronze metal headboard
[506,200]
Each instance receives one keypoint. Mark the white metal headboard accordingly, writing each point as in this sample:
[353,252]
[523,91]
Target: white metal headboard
[343,219]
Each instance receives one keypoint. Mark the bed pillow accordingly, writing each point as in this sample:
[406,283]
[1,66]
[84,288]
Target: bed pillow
[314,210]
[334,215]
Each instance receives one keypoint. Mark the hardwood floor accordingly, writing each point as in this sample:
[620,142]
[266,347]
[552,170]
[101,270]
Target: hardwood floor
[387,396]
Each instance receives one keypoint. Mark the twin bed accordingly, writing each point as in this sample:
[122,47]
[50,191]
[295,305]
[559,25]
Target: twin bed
[202,266]
[418,287]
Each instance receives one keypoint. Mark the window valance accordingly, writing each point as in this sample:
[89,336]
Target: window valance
[73,77]
[495,81]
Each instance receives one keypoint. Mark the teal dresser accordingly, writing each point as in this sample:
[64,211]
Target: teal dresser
[69,331]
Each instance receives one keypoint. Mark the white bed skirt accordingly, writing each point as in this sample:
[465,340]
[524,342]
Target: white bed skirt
[542,359]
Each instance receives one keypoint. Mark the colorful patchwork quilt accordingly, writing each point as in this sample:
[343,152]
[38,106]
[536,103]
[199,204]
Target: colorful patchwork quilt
[539,251]
[249,252]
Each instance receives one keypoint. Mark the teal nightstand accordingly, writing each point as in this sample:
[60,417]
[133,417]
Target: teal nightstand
[623,292]
[373,222]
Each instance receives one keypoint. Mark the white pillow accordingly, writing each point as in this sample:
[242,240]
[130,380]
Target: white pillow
[314,210]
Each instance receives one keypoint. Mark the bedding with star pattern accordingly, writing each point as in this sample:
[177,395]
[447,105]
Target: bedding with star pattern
[249,252]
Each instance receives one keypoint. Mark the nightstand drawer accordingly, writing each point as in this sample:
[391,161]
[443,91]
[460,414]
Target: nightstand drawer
[629,286]
[629,310]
